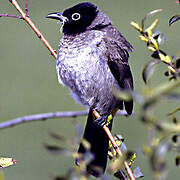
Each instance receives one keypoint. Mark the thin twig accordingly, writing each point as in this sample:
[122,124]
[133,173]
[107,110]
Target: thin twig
[35,29]
[40,117]
[11,15]
[27,8]
[39,34]
[45,116]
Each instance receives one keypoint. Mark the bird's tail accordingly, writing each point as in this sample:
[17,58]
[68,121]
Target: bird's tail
[99,142]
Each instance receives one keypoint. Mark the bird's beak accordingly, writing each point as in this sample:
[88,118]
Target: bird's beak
[58,16]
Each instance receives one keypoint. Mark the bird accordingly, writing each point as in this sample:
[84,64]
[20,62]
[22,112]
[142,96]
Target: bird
[92,61]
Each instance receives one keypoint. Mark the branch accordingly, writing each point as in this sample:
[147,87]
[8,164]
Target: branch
[116,147]
[46,43]
[11,15]
[45,116]
[32,25]
[27,8]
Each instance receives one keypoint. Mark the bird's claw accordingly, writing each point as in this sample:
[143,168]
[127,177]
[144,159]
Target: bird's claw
[101,121]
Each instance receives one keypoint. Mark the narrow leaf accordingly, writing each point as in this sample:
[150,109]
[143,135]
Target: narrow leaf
[57,136]
[149,69]
[123,147]
[123,94]
[177,160]
[149,15]
[120,137]
[86,144]
[120,175]
[159,36]
[174,111]
[164,89]
[178,63]
[117,164]
[1,175]
[137,173]
[175,138]
[60,178]
[174,19]
[57,150]
[170,128]
[136,26]
[6,162]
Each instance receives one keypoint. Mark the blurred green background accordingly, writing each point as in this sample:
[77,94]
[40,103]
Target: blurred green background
[28,84]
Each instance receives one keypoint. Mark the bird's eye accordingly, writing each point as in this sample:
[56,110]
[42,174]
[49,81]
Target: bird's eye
[76,16]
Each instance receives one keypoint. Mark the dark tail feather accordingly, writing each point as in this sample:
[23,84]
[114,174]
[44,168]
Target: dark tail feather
[128,84]
[99,146]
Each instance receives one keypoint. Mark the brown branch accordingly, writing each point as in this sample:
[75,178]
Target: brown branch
[35,29]
[45,116]
[116,147]
[42,38]
[11,15]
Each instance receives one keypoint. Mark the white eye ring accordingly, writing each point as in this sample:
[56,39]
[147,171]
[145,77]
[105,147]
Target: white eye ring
[76,16]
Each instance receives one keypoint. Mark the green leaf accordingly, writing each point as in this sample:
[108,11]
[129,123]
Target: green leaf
[128,95]
[137,173]
[160,37]
[130,155]
[54,149]
[149,69]
[1,175]
[60,178]
[57,136]
[169,127]
[178,63]
[6,162]
[177,160]
[174,19]
[162,89]
[174,111]
[174,120]
[176,138]
[149,15]
[123,95]
[120,175]
[119,137]
[117,164]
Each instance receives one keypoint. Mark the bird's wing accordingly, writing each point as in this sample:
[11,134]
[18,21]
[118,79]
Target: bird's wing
[113,33]
[117,59]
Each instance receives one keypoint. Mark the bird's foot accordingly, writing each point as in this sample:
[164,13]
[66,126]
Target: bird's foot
[101,121]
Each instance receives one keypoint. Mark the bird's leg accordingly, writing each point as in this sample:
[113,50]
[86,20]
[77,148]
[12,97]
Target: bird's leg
[103,120]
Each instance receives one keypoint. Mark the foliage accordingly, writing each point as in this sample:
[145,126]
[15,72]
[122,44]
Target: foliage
[160,144]
[6,162]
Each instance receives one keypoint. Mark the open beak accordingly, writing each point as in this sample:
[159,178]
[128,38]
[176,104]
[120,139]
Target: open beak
[58,16]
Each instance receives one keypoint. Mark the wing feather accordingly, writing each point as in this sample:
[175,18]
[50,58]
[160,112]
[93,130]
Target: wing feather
[118,64]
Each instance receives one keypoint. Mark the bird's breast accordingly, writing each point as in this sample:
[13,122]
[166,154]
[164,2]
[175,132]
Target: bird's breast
[79,58]
[83,67]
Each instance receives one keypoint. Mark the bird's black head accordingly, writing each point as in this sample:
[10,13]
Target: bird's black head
[77,18]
